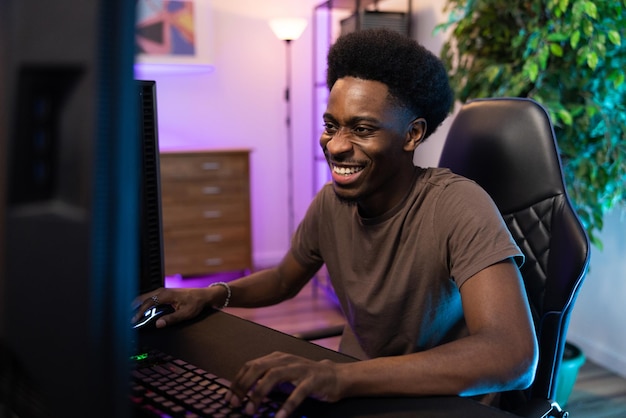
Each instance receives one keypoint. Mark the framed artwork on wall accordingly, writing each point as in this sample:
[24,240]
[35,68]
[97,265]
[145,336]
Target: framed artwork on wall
[173,32]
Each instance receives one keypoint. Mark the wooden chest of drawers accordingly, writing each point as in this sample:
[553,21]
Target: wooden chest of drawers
[206,212]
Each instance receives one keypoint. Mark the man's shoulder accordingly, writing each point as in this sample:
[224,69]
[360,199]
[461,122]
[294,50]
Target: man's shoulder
[443,177]
[326,193]
[326,199]
[443,187]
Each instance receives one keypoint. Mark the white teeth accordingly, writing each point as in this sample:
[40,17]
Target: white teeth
[346,171]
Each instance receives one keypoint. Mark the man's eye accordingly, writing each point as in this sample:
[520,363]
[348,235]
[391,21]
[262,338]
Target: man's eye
[329,128]
[362,130]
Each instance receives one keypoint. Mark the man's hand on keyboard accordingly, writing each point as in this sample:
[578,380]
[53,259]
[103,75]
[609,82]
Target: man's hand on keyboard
[257,378]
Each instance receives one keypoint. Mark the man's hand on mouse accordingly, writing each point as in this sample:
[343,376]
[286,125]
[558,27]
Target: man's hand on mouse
[187,304]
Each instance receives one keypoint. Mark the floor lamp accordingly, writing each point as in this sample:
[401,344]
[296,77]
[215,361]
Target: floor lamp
[289,29]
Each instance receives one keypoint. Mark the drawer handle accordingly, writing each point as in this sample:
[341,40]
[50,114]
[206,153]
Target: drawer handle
[210,166]
[213,261]
[212,214]
[212,238]
[211,190]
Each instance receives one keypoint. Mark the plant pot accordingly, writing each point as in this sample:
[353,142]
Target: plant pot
[573,359]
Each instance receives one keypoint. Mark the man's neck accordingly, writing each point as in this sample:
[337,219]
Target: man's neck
[384,200]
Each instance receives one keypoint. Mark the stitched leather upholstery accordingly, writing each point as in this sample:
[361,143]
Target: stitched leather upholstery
[507,145]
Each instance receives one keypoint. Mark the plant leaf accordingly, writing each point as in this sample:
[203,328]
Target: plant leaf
[618,80]
[557,37]
[574,39]
[591,10]
[566,117]
[592,60]
[615,38]
[556,50]
[531,69]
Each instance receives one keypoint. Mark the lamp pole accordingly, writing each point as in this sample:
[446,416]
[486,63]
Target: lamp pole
[290,185]
[288,30]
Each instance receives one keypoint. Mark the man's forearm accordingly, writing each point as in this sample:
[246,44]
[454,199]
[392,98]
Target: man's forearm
[262,288]
[465,367]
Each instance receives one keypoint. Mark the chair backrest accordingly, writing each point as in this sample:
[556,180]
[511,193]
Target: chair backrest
[507,145]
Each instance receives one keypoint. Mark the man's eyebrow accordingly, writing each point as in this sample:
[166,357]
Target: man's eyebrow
[354,120]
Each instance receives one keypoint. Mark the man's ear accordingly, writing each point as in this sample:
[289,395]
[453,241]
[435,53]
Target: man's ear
[416,134]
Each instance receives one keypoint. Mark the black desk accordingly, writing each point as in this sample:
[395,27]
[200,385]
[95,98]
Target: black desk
[221,343]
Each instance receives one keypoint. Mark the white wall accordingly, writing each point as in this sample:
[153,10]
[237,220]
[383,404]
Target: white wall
[598,322]
[241,104]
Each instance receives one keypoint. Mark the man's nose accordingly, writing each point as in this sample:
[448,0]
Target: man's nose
[340,142]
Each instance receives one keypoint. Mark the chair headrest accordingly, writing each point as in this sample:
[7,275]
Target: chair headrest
[505,144]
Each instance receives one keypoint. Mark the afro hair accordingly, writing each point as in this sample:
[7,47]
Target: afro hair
[414,76]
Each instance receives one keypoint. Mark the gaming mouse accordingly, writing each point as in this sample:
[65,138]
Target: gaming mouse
[150,316]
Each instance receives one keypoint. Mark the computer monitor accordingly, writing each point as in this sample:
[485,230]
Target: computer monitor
[70,212]
[151,273]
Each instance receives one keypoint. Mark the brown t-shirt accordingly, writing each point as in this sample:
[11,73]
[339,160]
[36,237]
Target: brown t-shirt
[397,276]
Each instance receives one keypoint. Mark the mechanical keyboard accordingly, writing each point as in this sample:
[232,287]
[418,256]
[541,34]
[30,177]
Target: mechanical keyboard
[163,386]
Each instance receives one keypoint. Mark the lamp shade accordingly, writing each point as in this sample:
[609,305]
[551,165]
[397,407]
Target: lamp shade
[288,29]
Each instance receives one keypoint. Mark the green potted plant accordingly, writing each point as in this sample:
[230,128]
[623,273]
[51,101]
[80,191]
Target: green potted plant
[570,56]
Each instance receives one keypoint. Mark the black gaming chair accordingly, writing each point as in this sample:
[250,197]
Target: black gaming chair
[507,145]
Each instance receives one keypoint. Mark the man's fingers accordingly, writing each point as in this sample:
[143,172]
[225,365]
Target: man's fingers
[259,377]
[298,395]
[288,374]
[143,303]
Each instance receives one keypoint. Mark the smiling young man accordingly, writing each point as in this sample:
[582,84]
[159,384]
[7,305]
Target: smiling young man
[423,265]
